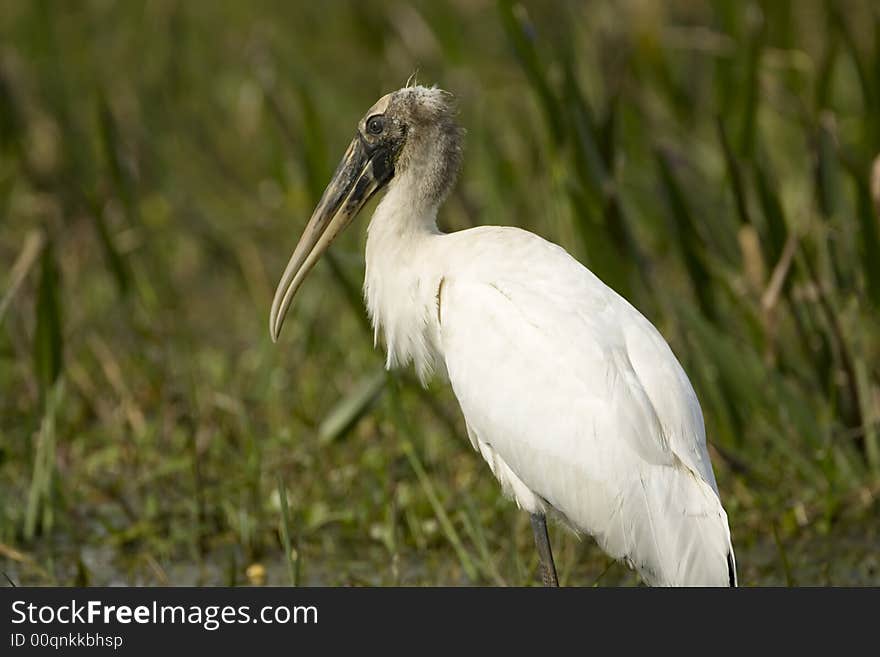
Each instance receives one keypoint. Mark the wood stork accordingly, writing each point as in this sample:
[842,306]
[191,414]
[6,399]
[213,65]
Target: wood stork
[571,396]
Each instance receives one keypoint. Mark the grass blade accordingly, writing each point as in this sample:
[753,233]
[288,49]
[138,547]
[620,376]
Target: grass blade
[825,168]
[115,261]
[869,240]
[48,347]
[123,186]
[733,171]
[869,236]
[752,86]
[825,75]
[11,122]
[687,236]
[30,251]
[110,142]
[591,166]
[521,35]
[351,408]
[775,226]
[855,53]
[39,513]
[292,562]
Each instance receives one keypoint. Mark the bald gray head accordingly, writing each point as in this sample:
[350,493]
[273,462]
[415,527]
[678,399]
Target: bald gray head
[418,127]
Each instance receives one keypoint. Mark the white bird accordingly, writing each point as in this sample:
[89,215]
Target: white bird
[571,396]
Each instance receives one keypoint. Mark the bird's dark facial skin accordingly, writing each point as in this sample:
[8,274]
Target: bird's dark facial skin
[367,166]
[381,153]
[382,137]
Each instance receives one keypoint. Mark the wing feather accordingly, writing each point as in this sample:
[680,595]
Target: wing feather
[582,399]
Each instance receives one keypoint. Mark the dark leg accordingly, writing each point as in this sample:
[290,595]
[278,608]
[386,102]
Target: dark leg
[542,542]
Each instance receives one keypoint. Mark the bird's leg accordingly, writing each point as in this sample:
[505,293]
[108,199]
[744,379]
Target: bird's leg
[542,542]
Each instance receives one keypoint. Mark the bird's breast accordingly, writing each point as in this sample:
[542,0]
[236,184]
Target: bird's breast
[402,294]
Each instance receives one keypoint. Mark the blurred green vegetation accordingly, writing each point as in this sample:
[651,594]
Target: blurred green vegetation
[710,160]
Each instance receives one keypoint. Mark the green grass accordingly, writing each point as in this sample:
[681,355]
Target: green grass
[711,161]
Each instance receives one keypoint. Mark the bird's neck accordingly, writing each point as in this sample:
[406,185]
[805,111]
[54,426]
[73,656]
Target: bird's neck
[405,213]
[403,271]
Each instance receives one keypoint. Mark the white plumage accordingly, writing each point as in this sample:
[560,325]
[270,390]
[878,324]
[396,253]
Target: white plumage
[571,396]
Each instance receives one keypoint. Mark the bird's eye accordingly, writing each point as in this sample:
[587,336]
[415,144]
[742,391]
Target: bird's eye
[375,125]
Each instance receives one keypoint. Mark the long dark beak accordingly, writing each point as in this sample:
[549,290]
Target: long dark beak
[362,172]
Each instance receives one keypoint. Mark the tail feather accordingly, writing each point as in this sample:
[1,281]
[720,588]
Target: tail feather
[731,567]
[670,526]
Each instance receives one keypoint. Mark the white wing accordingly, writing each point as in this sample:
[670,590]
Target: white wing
[579,404]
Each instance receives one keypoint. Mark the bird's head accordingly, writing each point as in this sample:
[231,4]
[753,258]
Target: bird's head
[409,135]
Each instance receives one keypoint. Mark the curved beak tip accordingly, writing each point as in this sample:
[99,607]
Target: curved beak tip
[276,320]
